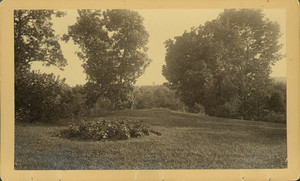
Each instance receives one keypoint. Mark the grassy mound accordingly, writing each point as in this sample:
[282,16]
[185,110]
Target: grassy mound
[189,141]
[108,130]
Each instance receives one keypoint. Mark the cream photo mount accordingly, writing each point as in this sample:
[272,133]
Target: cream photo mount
[7,172]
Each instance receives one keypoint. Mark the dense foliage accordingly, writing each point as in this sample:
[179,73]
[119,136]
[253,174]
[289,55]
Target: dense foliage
[113,51]
[35,39]
[221,68]
[38,97]
[143,97]
[225,64]
[120,129]
[36,94]
[146,97]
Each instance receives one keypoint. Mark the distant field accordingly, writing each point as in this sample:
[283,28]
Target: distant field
[188,141]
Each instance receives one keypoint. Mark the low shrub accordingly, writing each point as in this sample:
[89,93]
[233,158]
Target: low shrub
[197,109]
[222,111]
[38,97]
[274,117]
[147,97]
[108,129]
[22,114]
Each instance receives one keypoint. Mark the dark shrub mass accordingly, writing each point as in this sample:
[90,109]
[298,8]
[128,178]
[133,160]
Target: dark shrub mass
[122,129]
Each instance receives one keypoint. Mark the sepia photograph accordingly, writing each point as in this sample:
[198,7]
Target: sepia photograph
[150,89]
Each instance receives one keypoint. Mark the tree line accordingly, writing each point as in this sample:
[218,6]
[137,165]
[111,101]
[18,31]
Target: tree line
[113,51]
[221,68]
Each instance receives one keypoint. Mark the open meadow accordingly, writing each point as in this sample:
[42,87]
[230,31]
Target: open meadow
[188,141]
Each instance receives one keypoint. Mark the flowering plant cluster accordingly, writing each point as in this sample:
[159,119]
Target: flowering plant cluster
[109,129]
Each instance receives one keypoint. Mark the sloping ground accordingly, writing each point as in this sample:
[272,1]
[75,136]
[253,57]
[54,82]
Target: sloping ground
[188,141]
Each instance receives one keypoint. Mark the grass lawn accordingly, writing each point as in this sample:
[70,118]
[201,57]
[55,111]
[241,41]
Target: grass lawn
[188,141]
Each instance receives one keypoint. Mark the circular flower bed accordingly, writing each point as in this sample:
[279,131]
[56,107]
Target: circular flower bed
[108,129]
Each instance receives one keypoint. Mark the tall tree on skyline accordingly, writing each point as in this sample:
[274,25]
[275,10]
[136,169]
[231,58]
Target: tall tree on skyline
[113,51]
[228,59]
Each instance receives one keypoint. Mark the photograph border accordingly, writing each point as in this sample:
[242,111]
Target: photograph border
[7,171]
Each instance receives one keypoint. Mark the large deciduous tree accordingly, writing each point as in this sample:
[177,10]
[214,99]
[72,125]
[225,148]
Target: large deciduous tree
[186,68]
[36,94]
[35,39]
[225,64]
[113,50]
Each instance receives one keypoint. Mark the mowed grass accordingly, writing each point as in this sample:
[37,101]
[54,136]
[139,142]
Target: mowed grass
[188,141]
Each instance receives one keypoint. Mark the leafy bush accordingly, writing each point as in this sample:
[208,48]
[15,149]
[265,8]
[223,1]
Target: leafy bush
[222,111]
[41,97]
[229,109]
[277,102]
[37,97]
[147,97]
[274,117]
[22,114]
[108,129]
[198,109]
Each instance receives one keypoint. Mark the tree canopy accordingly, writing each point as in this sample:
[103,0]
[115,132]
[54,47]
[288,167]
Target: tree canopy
[36,94]
[35,39]
[113,51]
[225,64]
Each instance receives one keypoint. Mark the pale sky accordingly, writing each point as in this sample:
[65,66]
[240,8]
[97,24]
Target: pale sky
[161,25]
